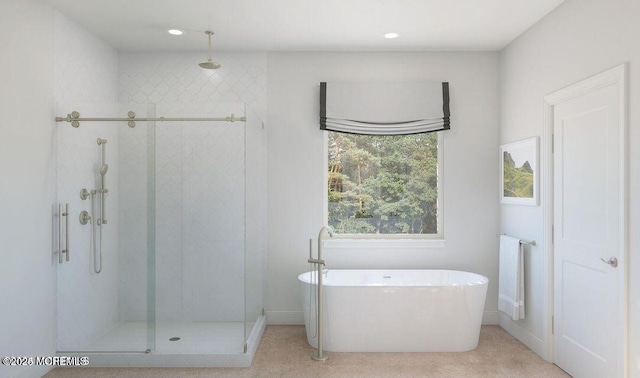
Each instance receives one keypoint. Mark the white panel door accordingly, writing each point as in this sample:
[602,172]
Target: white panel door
[588,232]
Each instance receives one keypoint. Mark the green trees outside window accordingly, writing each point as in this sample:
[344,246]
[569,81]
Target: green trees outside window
[383,184]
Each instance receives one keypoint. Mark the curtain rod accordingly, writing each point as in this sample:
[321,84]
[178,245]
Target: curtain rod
[74,119]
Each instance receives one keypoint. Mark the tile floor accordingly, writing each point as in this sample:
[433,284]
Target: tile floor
[284,352]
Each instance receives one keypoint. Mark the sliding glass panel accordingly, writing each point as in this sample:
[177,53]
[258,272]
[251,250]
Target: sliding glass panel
[151,231]
[103,176]
[255,214]
[200,168]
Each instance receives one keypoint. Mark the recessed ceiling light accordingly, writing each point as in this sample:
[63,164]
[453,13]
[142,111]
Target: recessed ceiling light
[175,32]
[391,35]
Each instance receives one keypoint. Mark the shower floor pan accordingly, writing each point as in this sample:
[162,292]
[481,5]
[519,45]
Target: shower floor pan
[200,344]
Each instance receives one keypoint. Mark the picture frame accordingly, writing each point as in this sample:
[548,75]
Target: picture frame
[520,172]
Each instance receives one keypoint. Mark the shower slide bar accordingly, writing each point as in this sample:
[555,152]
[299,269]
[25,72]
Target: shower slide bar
[104,167]
[74,119]
[528,242]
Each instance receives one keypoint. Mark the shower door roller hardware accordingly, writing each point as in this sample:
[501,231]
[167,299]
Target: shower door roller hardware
[73,117]
[132,116]
[63,211]
[612,261]
[84,217]
[84,194]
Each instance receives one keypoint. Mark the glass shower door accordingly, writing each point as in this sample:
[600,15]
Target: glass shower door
[200,230]
[173,262]
[255,215]
[103,174]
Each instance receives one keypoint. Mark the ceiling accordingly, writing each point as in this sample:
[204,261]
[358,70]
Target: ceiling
[308,25]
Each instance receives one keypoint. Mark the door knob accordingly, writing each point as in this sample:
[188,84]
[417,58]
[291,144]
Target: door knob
[612,261]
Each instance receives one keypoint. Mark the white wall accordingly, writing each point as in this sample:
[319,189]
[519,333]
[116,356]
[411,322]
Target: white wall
[27,271]
[296,155]
[85,80]
[577,40]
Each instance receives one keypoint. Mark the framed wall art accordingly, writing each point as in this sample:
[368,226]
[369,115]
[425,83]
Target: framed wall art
[519,172]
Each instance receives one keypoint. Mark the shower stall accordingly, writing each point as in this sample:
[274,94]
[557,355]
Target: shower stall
[161,234]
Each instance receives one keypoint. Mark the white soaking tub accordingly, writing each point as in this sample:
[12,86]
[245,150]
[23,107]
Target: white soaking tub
[396,310]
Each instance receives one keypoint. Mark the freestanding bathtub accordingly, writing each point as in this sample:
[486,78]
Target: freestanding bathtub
[396,310]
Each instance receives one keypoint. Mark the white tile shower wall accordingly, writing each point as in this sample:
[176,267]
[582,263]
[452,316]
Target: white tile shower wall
[85,79]
[133,212]
[169,221]
[85,66]
[213,204]
[87,302]
[201,183]
[200,215]
[175,78]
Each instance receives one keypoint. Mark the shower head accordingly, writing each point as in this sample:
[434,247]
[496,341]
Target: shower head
[209,64]
[104,169]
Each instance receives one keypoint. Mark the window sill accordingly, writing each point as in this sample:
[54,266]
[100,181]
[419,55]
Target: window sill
[361,243]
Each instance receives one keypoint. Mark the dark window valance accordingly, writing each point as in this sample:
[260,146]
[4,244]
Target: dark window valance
[384,108]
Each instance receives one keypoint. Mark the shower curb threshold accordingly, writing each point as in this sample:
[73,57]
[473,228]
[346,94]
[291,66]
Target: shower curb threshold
[141,359]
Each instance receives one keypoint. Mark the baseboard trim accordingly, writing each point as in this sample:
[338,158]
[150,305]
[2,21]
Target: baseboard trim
[491,318]
[524,336]
[285,317]
[297,318]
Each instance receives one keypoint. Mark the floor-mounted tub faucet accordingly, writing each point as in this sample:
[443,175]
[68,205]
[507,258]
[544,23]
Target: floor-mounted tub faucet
[319,356]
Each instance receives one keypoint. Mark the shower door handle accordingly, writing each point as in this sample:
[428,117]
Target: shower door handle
[66,230]
[63,211]
[60,233]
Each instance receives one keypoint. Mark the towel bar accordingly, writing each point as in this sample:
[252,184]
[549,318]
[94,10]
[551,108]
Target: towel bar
[531,242]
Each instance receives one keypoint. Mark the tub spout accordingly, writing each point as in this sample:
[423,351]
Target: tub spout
[324,230]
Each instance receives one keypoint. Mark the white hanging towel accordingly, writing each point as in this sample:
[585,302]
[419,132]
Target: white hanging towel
[511,282]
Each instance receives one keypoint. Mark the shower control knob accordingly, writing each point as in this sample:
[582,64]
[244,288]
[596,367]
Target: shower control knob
[84,217]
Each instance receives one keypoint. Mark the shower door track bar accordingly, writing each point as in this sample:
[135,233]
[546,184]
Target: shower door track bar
[74,119]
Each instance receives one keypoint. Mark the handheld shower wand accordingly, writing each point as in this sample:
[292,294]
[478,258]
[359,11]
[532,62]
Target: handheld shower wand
[103,190]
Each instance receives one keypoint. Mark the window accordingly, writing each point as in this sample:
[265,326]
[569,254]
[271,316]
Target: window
[384,185]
